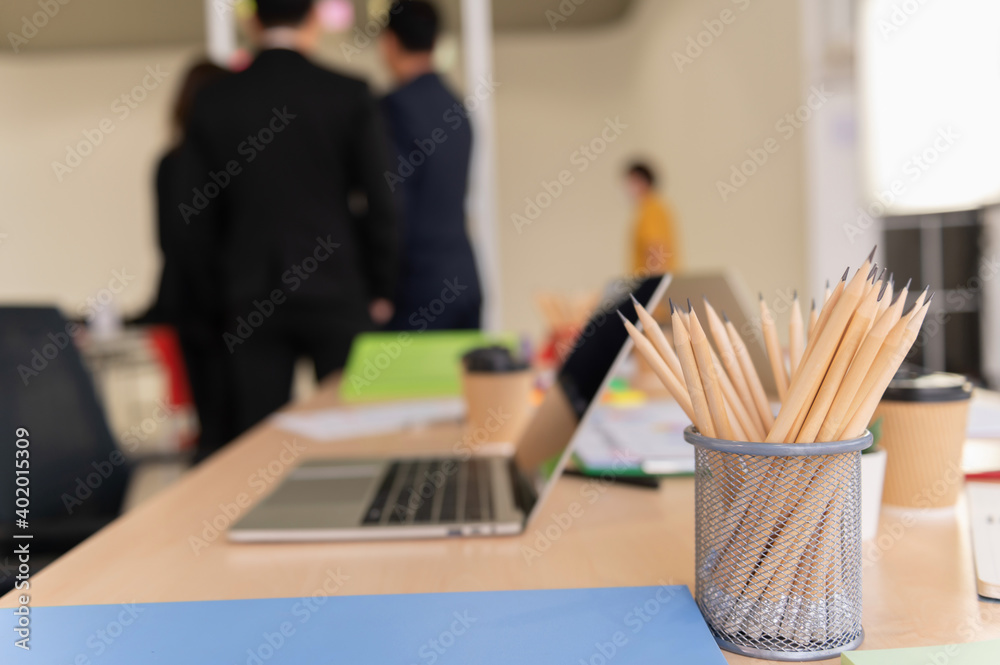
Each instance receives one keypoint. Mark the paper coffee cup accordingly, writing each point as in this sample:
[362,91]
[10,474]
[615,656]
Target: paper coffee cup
[497,404]
[923,431]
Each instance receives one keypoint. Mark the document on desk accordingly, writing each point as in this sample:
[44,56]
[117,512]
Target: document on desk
[349,422]
[972,653]
[623,626]
[648,437]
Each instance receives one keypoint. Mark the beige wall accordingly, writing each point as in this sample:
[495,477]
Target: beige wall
[694,124]
[556,91]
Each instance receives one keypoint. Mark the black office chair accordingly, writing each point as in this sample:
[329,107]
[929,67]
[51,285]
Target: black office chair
[77,475]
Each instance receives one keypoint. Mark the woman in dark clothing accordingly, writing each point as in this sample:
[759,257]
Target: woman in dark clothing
[180,301]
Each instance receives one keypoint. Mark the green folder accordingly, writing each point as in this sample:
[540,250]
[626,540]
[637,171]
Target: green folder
[973,653]
[400,365]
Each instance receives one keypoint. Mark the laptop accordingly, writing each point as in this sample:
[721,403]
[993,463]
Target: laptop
[466,494]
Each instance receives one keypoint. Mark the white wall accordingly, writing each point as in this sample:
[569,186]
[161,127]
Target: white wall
[556,92]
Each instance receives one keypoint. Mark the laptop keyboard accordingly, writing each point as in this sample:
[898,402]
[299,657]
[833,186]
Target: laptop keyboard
[433,491]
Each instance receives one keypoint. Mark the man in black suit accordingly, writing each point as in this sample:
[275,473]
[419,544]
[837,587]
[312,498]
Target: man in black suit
[297,264]
[429,127]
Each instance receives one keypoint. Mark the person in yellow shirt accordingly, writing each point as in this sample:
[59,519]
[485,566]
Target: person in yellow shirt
[654,246]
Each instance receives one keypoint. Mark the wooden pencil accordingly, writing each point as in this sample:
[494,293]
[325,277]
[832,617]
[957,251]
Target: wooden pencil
[859,368]
[892,340]
[656,335]
[796,343]
[810,375]
[747,422]
[813,316]
[709,378]
[827,293]
[773,346]
[842,359]
[824,316]
[885,367]
[732,365]
[673,385]
[750,372]
[692,377]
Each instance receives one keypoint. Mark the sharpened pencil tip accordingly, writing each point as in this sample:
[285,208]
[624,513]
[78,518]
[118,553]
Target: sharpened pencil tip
[881,276]
[827,283]
[795,294]
[634,301]
[871,273]
[724,317]
[622,316]
[760,295]
[872,255]
[689,306]
[908,282]
[814,304]
[844,278]
[892,278]
[930,298]
[881,292]
[671,302]
[704,297]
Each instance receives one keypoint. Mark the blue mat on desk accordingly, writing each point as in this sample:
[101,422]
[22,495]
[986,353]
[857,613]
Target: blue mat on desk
[591,626]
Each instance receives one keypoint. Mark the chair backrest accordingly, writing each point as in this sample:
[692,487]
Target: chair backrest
[76,470]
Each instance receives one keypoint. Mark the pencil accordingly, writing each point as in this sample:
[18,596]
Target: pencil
[709,378]
[773,347]
[824,316]
[671,382]
[750,372]
[827,293]
[885,367]
[810,375]
[859,368]
[655,334]
[813,316]
[849,345]
[733,369]
[892,340]
[796,345]
[685,354]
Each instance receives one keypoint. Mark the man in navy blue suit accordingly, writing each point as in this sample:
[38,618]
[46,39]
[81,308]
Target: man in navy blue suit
[438,287]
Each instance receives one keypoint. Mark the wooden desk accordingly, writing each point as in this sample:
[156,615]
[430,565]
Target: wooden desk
[919,584]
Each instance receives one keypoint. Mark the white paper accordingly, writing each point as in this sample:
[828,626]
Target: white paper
[348,422]
[649,436]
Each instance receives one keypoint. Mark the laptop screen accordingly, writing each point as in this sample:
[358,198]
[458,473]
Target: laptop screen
[601,346]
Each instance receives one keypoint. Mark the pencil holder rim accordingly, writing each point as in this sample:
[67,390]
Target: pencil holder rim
[695,438]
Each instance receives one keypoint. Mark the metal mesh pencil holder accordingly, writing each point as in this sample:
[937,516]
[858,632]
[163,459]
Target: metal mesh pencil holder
[778,545]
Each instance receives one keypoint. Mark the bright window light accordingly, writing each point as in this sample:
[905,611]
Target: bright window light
[929,72]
